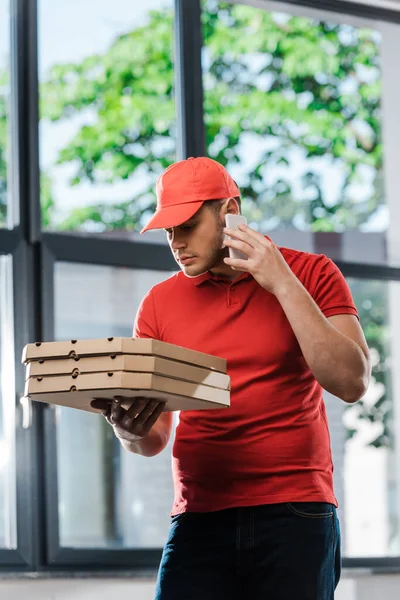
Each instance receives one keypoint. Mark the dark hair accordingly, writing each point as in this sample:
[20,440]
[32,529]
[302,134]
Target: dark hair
[215,204]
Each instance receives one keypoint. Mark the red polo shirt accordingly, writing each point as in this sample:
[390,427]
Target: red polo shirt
[272,445]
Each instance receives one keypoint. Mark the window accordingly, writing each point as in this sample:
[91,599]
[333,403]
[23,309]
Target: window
[293,107]
[364,435]
[301,105]
[372,460]
[107,112]
[114,508]
[4,109]
[7,411]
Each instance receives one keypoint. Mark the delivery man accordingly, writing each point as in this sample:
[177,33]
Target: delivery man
[254,515]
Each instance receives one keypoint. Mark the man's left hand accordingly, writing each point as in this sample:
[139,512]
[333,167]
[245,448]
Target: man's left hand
[265,262]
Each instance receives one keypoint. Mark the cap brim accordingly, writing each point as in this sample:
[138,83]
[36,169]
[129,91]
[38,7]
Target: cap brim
[172,216]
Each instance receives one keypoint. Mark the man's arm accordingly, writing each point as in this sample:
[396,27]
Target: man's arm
[156,436]
[334,348]
[142,429]
[155,441]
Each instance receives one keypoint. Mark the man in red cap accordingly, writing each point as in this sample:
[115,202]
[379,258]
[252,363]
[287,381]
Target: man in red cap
[254,513]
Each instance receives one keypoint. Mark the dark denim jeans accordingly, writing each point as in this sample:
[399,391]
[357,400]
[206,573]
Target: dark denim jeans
[270,552]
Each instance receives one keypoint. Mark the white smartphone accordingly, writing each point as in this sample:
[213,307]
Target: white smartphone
[232,222]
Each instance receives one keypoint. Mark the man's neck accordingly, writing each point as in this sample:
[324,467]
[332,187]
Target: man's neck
[226,272]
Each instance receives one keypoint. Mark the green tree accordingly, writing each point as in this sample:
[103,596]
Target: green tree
[304,86]
[128,93]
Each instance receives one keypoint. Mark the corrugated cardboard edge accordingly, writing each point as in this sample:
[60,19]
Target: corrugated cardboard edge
[105,346]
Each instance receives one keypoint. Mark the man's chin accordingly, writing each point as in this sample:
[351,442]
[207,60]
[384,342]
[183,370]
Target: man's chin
[200,266]
[192,271]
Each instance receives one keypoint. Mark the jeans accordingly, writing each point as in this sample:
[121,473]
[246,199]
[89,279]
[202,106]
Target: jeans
[270,552]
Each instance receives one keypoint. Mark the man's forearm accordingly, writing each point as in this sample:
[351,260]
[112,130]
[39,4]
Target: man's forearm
[151,445]
[155,441]
[336,361]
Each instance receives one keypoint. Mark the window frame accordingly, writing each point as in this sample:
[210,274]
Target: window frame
[35,252]
[21,556]
[342,7]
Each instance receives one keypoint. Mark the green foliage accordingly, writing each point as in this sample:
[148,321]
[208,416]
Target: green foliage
[308,86]
[127,96]
[273,84]
[46,200]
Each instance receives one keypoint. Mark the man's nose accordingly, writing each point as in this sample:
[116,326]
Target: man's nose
[178,241]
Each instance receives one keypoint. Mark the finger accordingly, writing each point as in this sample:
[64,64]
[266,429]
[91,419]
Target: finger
[242,246]
[146,412]
[153,418]
[255,236]
[100,403]
[236,234]
[134,410]
[237,264]
[248,235]
[117,412]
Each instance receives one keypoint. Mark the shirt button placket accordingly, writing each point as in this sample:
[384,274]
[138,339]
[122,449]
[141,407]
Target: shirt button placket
[232,296]
[228,296]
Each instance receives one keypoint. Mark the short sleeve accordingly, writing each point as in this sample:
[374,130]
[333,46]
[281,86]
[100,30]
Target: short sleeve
[331,291]
[145,325]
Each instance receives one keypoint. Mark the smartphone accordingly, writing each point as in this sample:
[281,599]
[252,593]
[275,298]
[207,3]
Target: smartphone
[232,221]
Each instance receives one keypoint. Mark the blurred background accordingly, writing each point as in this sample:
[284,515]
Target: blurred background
[299,100]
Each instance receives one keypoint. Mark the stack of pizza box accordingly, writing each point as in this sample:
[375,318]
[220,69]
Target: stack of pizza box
[73,373]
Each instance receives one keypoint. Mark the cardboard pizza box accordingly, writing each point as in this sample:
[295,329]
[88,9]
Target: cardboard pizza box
[119,345]
[79,391]
[130,363]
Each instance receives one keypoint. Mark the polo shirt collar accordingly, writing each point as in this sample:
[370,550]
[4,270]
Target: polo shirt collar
[209,276]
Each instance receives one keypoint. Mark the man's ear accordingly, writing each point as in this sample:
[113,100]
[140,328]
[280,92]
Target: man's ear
[231,206]
[228,206]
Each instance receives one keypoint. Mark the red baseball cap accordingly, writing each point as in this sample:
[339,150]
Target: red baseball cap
[185,186]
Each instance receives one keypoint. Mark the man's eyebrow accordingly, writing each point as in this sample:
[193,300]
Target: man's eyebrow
[189,221]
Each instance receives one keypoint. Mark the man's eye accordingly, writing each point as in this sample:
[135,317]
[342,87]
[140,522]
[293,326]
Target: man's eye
[187,227]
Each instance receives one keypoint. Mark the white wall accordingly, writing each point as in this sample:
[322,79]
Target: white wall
[362,587]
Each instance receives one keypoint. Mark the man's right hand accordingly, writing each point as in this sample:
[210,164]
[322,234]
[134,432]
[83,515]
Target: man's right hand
[133,424]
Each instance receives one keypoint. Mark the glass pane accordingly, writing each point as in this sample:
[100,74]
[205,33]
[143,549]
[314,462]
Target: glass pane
[124,500]
[4,107]
[365,436]
[293,108]
[7,409]
[107,111]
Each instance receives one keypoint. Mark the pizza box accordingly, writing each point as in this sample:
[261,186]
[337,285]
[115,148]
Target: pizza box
[78,391]
[120,345]
[130,363]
